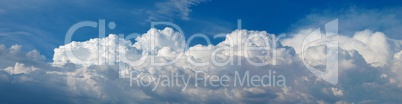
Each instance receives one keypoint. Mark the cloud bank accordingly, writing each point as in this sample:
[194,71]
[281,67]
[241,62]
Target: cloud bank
[369,64]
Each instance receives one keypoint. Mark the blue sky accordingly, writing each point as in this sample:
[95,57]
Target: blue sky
[35,62]
[46,22]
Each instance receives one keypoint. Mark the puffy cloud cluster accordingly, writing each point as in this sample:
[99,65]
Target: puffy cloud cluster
[375,47]
[369,64]
[15,56]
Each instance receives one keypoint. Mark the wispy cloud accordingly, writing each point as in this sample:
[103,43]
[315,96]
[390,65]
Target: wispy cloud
[172,8]
[14,33]
[387,20]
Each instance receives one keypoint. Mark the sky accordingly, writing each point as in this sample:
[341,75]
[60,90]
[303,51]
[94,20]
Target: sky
[36,65]
[48,21]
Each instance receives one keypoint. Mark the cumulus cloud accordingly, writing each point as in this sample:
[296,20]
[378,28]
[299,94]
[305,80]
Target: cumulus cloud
[368,69]
[20,69]
[10,56]
[375,47]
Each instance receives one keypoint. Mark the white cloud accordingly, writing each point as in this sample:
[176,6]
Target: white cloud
[98,81]
[375,47]
[386,20]
[172,8]
[20,69]
[10,56]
